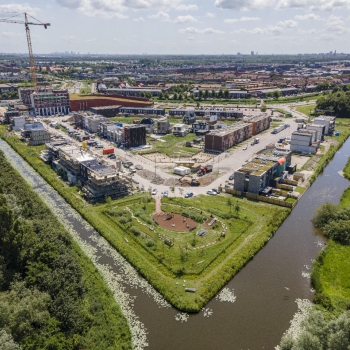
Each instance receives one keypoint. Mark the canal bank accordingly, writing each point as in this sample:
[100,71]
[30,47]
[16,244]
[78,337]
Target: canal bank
[265,290]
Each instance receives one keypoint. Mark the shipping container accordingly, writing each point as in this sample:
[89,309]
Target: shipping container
[108,150]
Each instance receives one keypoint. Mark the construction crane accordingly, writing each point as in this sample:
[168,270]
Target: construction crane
[29,41]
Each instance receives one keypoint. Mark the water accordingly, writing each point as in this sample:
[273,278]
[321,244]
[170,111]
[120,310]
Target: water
[265,289]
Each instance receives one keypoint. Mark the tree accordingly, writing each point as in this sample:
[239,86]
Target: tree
[263,108]
[220,94]
[276,94]
[226,94]
[175,97]
[237,208]
[206,93]
[200,94]
[213,93]
[160,96]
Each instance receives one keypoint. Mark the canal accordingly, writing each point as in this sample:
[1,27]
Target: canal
[266,288]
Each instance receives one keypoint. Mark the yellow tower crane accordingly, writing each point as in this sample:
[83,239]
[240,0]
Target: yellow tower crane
[30,50]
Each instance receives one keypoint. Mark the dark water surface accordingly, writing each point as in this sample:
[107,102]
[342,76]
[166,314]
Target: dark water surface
[265,289]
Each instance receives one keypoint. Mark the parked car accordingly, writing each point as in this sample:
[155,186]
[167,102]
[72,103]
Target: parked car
[112,156]
[154,191]
[189,194]
[211,193]
[215,190]
[132,169]
[98,146]
[166,194]
[231,177]
[244,148]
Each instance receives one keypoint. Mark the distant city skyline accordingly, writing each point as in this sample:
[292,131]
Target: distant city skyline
[180,26]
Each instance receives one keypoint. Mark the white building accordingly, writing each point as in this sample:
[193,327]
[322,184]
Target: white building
[328,122]
[303,141]
[179,130]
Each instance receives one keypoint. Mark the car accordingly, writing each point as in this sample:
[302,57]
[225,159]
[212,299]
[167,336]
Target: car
[244,148]
[154,191]
[132,169]
[189,194]
[211,193]
[98,146]
[231,177]
[166,194]
[215,190]
[112,156]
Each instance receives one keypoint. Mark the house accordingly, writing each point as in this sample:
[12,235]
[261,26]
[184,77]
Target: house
[179,130]
[163,126]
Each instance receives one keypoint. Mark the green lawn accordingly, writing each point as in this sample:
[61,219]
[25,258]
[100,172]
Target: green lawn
[248,229]
[307,110]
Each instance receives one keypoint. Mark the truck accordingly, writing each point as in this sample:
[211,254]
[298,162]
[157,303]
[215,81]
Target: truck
[108,150]
[279,128]
[255,141]
[204,170]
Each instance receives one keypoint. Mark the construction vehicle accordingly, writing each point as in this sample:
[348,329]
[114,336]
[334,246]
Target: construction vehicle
[204,170]
[29,42]
[195,182]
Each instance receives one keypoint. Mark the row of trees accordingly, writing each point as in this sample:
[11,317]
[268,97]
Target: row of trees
[338,101]
[44,299]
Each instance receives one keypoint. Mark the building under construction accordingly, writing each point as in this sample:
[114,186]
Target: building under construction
[97,180]
[45,102]
[135,135]
[35,134]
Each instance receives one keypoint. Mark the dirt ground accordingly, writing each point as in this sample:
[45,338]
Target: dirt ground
[176,223]
[200,157]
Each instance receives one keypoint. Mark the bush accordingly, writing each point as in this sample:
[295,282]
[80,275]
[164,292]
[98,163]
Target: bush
[135,230]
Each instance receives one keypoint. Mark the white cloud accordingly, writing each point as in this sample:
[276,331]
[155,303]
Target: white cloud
[209,15]
[306,32]
[314,4]
[242,19]
[163,16]
[282,4]
[307,16]
[11,34]
[183,7]
[115,8]
[192,30]
[243,4]
[140,19]
[17,8]
[190,38]
[69,38]
[336,25]
[271,30]
[328,37]
[287,24]
[185,19]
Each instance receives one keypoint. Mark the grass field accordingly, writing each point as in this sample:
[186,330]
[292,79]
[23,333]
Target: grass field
[306,109]
[208,269]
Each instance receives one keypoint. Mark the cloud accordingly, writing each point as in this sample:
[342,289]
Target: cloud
[328,37]
[306,32]
[183,7]
[336,25]
[307,16]
[116,8]
[10,34]
[314,4]
[287,24]
[140,19]
[243,4]
[190,38]
[282,4]
[271,30]
[242,19]
[185,19]
[17,8]
[163,16]
[69,38]
[209,15]
[192,30]
[90,40]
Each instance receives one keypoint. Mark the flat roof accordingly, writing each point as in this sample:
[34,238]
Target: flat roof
[98,168]
[257,166]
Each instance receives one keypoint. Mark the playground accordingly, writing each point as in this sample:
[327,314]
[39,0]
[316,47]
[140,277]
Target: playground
[174,222]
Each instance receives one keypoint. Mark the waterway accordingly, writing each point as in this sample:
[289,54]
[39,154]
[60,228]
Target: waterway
[266,288]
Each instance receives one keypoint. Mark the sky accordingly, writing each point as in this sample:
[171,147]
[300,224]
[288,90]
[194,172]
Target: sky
[179,26]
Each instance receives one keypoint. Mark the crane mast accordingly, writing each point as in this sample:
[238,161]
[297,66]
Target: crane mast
[30,50]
